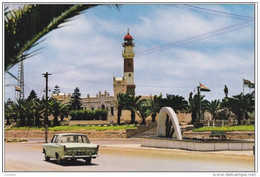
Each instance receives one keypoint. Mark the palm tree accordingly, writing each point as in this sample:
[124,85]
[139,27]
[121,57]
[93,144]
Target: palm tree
[8,113]
[213,107]
[196,104]
[156,104]
[38,109]
[55,107]
[121,103]
[143,110]
[132,106]
[24,27]
[64,111]
[21,111]
[241,105]
[176,102]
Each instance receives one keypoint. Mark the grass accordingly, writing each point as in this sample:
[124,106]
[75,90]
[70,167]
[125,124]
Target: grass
[226,128]
[78,127]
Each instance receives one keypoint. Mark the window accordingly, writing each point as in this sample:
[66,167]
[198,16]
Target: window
[56,139]
[112,111]
[129,64]
[53,139]
[129,75]
[74,139]
[92,107]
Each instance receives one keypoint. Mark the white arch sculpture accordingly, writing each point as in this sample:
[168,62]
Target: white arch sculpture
[161,127]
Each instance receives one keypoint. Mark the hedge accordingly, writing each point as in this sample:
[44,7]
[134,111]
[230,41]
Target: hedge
[98,114]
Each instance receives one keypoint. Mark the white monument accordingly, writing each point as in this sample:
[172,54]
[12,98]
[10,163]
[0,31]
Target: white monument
[168,124]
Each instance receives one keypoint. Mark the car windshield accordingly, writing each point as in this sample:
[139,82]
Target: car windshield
[74,139]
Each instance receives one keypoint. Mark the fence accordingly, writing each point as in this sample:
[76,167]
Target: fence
[230,122]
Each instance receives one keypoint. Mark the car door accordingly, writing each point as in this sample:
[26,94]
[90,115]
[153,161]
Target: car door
[55,146]
[52,146]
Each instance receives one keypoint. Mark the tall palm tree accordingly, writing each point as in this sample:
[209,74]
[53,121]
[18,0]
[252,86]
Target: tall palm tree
[143,110]
[196,104]
[121,102]
[8,113]
[156,104]
[26,25]
[56,110]
[213,107]
[38,109]
[241,105]
[132,106]
[21,109]
[64,111]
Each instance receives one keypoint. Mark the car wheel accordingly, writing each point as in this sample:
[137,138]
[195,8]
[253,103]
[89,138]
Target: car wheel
[88,161]
[46,157]
[59,160]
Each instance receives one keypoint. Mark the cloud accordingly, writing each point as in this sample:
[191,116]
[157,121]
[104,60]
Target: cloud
[87,53]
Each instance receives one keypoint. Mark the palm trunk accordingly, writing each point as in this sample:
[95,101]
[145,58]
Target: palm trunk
[119,112]
[143,122]
[153,117]
[22,121]
[55,121]
[132,117]
[239,120]
[37,121]
[193,117]
[8,120]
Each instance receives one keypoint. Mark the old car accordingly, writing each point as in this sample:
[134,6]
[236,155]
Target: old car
[70,146]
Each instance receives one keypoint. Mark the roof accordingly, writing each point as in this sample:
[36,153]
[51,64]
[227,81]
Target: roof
[128,37]
[64,134]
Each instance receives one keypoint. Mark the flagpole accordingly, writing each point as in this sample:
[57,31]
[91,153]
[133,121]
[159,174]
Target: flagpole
[243,85]
[199,101]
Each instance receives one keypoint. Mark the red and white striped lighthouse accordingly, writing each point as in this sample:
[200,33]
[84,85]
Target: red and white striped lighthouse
[128,55]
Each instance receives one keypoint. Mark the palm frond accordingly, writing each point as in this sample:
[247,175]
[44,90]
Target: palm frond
[26,25]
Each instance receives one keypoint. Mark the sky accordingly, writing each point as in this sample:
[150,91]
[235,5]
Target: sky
[176,47]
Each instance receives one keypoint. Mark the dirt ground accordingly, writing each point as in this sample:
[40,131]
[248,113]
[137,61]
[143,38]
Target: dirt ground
[28,134]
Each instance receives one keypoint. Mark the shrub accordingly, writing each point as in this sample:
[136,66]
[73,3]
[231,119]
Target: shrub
[73,115]
[198,125]
[101,114]
[88,115]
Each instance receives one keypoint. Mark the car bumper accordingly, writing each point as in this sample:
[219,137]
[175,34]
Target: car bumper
[78,156]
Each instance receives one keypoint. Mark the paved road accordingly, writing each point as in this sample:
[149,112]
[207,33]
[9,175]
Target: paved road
[128,157]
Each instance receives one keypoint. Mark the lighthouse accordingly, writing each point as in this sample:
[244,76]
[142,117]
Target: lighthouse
[128,55]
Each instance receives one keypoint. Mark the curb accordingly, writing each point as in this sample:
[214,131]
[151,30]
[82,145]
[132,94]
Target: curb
[137,147]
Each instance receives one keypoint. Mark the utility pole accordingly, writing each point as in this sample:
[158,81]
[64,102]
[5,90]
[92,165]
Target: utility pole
[46,107]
